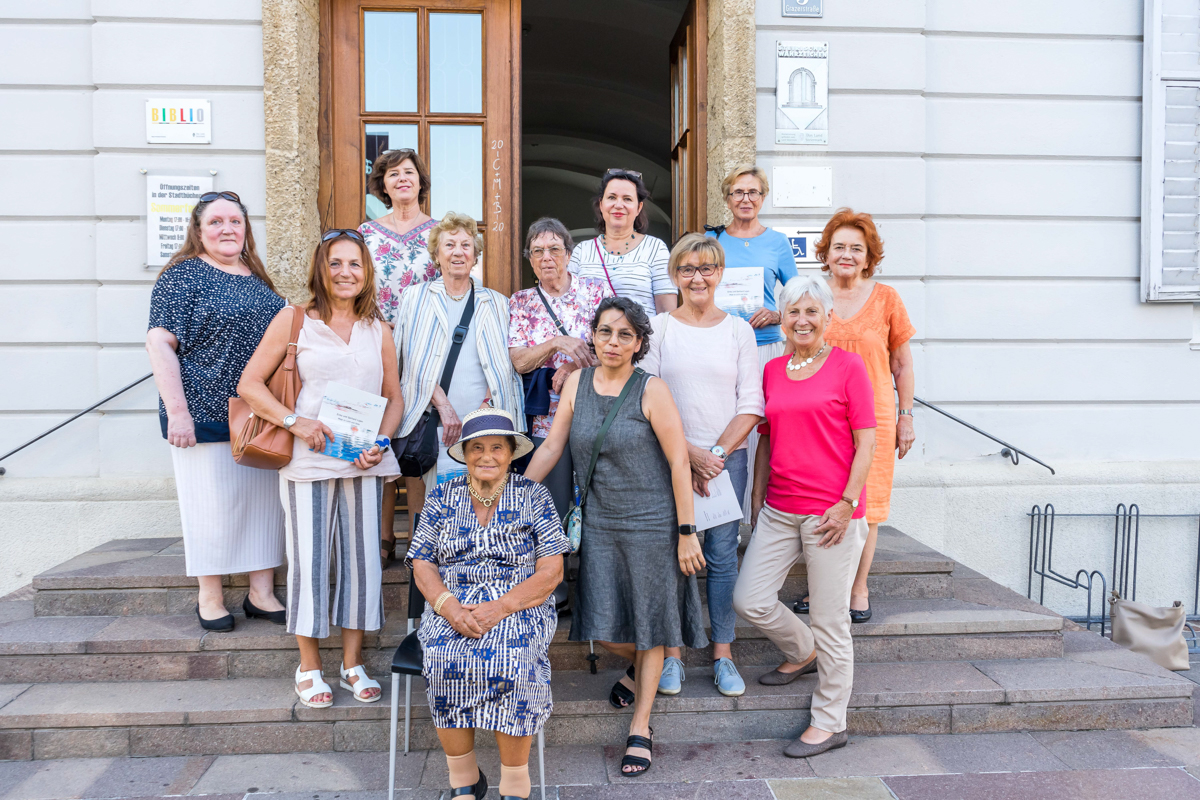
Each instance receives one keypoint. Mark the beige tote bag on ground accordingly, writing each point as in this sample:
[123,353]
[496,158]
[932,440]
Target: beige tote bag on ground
[1153,632]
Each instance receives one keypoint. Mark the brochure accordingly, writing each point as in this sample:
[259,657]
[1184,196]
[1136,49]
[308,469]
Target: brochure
[354,416]
[722,504]
[740,291]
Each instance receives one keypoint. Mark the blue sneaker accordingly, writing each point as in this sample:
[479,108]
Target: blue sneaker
[727,679]
[672,678]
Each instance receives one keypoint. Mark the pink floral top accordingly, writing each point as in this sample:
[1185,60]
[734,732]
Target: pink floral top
[529,325]
[401,260]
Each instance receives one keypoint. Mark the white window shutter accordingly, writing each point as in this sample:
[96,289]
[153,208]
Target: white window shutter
[1171,152]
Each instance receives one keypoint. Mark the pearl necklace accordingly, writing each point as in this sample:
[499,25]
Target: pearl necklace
[487,502]
[806,361]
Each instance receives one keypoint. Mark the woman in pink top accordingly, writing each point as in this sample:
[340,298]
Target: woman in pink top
[810,475]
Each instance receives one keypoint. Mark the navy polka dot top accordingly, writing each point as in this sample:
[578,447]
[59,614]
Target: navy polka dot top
[219,320]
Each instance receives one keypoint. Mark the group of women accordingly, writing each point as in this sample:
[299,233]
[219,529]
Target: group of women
[637,391]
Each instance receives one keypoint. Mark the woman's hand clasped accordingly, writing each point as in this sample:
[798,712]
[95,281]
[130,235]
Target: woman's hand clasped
[487,615]
[462,619]
[313,432]
[181,430]
[905,435]
[691,557]
[368,458]
[832,527]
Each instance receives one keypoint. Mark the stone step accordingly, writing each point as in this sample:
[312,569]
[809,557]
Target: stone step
[142,648]
[262,715]
[141,577]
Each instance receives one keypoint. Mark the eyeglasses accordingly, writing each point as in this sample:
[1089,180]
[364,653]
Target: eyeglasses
[336,232]
[707,270]
[208,197]
[619,172]
[743,194]
[557,251]
[604,333]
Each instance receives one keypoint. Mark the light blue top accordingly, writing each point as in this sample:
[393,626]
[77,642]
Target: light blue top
[771,251]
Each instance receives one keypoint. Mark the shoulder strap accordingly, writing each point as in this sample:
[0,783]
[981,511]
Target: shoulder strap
[607,277]
[608,421]
[460,335]
[550,311]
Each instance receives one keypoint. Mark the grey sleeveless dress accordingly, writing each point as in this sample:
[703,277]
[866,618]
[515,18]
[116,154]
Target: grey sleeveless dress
[630,587]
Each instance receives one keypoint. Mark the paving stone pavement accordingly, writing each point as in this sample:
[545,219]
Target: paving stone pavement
[1132,765]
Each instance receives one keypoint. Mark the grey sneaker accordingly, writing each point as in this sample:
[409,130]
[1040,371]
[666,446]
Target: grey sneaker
[727,679]
[672,679]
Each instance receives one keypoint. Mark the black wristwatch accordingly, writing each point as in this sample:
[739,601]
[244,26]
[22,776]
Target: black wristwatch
[687,530]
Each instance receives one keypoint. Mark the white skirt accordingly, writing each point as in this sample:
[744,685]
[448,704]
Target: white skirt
[232,520]
[766,352]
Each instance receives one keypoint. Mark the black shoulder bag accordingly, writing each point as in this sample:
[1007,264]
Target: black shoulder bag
[417,453]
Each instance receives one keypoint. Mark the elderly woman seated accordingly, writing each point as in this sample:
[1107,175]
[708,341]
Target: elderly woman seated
[487,554]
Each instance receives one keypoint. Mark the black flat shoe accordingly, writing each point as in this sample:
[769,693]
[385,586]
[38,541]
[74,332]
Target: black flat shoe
[620,696]
[860,616]
[637,761]
[222,625]
[278,617]
[801,606]
[478,791]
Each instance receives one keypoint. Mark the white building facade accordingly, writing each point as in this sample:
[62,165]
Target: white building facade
[998,146]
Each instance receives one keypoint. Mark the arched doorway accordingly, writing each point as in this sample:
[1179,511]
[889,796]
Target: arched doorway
[802,89]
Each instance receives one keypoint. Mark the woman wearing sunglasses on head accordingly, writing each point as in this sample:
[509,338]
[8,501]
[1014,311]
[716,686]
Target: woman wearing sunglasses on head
[629,261]
[399,245]
[209,308]
[332,505]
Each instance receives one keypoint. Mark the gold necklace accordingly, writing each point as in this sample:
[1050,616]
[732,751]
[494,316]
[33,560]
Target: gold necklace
[487,502]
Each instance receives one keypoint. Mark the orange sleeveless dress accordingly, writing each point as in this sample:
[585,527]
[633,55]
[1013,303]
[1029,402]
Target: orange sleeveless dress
[879,327]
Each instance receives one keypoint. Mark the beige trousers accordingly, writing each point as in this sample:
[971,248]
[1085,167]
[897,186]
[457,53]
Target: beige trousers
[779,541]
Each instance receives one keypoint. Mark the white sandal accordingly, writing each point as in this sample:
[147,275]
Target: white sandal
[362,684]
[319,686]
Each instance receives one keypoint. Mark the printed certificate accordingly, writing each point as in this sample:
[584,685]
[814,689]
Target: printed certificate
[740,291]
[721,505]
[354,416]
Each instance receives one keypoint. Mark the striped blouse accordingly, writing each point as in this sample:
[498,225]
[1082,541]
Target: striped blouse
[421,335]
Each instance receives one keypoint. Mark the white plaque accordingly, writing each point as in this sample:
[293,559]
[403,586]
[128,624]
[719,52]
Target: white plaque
[802,187]
[169,203]
[178,122]
[803,8]
[802,93]
[804,245]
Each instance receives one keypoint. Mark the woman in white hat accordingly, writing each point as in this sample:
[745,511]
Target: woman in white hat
[487,554]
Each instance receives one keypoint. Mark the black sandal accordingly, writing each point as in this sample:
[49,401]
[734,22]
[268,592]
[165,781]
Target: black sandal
[801,605]
[620,696]
[479,790]
[637,761]
[387,551]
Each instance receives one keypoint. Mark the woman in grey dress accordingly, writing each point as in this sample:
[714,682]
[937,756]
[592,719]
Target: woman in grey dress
[638,520]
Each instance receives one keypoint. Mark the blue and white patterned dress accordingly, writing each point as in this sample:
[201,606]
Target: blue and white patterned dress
[501,681]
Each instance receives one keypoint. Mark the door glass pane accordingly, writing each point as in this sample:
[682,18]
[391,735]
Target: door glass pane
[456,166]
[390,60]
[378,139]
[456,63]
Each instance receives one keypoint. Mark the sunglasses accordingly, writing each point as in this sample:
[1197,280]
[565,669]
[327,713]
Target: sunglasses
[621,172]
[208,197]
[336,232]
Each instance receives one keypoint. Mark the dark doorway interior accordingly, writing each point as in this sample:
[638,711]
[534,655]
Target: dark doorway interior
[596,94]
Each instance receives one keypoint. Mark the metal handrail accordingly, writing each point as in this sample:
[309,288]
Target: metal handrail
[65,422]
[1010,451]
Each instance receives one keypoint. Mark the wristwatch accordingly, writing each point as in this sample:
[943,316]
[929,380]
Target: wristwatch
[289,421]
[718,451]
[687,530]
[853,503]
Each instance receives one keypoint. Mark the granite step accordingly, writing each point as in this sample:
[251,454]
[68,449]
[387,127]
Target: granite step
[262,715]
[143,577]
[143,648]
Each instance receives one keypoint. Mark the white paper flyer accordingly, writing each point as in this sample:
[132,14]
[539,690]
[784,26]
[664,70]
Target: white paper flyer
[740,291]
[720,506]
[354,416]
[802,93]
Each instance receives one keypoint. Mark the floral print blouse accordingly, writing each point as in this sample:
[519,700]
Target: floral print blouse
[401,260]
[529,325]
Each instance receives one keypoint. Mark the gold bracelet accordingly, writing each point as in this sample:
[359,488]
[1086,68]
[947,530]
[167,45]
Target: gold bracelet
[441,601]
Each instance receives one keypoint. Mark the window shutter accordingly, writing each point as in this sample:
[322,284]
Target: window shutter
[1171,151]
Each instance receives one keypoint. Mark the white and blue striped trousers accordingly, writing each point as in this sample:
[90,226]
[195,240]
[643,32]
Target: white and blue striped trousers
[333,522]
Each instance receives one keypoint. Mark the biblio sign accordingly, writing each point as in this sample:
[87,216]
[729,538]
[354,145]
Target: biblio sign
[178,122]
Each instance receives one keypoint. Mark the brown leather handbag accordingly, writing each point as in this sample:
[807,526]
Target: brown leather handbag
[254,441]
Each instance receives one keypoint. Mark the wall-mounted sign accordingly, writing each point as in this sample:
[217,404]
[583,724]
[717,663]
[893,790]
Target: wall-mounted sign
[803,8]
[169,203]
[802,187]
[804,245]
[178,122]
[802,93]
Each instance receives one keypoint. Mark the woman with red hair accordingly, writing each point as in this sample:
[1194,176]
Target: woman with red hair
[869,319]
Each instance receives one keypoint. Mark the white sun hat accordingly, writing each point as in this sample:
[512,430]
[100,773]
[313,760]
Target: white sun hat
[489,422]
